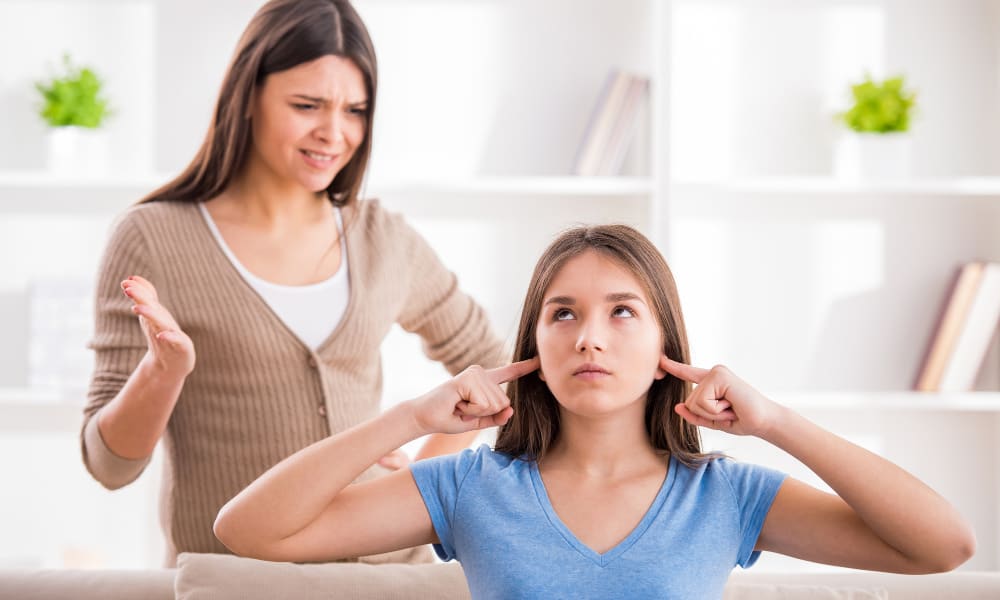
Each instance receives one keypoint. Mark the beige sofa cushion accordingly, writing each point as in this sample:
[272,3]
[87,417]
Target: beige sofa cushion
[85,584]
[224,577]
[801,592]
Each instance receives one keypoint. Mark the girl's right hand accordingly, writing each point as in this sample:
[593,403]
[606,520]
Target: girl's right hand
[471,400]
[171,351]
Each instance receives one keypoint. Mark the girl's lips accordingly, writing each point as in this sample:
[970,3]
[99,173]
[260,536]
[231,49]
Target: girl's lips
[591,375]
[590,372]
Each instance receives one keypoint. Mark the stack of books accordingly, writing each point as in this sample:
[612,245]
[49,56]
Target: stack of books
[613,124]
[962,337]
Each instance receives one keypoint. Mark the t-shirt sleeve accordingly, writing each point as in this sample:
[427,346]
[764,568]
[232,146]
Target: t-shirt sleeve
[439,481]
[754,488]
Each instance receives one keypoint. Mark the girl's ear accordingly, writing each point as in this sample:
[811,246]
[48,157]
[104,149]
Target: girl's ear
[541,374]
[660,374]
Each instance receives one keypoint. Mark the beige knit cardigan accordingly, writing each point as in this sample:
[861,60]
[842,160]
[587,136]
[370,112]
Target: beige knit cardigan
[257,393]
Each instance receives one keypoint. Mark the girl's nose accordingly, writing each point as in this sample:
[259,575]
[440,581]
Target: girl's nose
[591,337]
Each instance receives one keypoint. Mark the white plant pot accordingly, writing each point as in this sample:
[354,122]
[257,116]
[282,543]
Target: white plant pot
[78,152]
[872,156]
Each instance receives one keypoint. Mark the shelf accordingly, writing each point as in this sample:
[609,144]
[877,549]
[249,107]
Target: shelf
[958,186]
[527,186]
[23,410]
[29,411]
[888,401]
[42,192]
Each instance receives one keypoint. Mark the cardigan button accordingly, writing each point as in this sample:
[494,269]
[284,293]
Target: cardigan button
[322,411]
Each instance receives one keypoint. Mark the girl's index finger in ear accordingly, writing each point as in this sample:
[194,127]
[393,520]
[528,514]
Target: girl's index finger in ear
[513,370]
[681,370]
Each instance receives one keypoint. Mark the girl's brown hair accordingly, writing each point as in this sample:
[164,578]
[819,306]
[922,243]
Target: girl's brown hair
[281,35]
[534,426]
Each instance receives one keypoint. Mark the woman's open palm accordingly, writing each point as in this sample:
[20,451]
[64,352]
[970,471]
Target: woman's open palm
[170,348]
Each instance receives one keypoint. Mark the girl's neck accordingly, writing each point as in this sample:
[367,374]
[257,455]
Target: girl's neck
[606,447]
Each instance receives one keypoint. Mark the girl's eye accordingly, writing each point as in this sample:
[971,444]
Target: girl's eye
[623,311]
[562,315]
[302,106]
[359,112]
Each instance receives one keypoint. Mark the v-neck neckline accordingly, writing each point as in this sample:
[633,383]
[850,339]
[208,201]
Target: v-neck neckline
[605,558]
[352,290]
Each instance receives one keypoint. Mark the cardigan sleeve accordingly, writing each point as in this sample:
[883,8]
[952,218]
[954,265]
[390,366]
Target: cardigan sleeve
[454,327]
[119,345]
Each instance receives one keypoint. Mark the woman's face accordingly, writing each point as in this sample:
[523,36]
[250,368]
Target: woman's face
[598,339]
[308,121]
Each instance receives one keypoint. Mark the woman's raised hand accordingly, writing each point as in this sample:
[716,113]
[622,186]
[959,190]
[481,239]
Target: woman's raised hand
[170,349]
[473,399]
[723,401]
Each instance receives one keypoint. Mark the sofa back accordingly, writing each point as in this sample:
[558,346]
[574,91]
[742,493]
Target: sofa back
[222,577]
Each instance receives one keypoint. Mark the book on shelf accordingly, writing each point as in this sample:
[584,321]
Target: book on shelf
[962,336]
[612,125]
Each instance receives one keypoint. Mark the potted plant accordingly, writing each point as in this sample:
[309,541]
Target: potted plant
[876,144]
[75,109]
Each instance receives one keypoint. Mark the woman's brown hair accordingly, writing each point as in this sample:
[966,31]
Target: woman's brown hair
[281,35]
[534,426]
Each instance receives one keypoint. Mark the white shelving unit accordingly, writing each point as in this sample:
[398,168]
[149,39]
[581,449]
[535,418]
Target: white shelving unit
[820,291]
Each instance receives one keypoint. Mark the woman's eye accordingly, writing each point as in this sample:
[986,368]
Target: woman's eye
[562,315]
[304,106]
[623,311]
[359,112]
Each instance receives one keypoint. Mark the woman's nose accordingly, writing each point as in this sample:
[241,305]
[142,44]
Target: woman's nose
[332,129]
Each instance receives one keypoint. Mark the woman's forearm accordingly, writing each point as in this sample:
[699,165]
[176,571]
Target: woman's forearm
[904,512]
[133,422]
[293,493]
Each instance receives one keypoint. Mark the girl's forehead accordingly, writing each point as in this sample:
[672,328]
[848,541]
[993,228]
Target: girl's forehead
[594,272]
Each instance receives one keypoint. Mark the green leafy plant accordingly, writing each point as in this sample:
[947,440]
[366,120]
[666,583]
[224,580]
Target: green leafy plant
[880,107]
[73,98]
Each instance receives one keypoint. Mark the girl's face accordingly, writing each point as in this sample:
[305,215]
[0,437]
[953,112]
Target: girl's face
[598,339]
[309,120]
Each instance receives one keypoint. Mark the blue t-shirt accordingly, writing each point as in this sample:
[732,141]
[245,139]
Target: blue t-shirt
[493,515]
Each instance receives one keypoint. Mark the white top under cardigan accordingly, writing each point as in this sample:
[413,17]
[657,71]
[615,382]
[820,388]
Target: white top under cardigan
[310,311]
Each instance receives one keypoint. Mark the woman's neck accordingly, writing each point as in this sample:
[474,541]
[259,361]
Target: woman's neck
[256,197]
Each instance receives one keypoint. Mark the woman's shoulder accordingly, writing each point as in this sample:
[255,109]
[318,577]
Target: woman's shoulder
[152,220]
[146,212]
[372,218]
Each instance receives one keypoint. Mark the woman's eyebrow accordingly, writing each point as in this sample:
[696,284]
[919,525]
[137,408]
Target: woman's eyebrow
[319,100]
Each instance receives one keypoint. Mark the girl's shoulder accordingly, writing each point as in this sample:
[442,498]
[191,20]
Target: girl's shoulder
[484,461]
[741,479]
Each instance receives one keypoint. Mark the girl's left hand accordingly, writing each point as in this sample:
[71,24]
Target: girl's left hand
[723,401]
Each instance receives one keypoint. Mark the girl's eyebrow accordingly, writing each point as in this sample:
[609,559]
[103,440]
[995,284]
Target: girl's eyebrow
[614,297]
[622,296]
